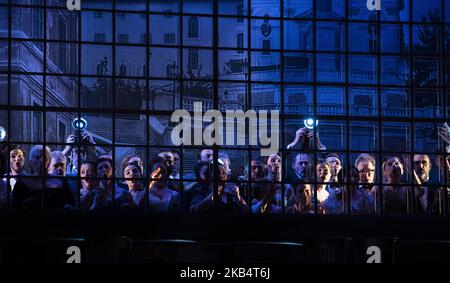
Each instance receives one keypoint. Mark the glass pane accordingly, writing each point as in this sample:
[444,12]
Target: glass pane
[330,68]
[330,9]
[363,101]
[198,6]
[131,28]
[298,67]
[330,101]
[164,29]
[62,25]
[427,11]
[96,26]
[298,9]
[130,61]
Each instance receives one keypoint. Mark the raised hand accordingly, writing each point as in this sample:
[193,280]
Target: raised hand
[444,132]
[298,135]
[88,137]
[71,139]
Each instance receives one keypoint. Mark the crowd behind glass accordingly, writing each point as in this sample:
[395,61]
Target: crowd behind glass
[82,177]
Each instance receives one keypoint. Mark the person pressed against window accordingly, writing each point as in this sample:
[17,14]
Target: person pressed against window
[396,197]
[48,193]
[206,155]
[58,163]
[39,160]
[264,197]
[104,194]
[161,197]
[322,187]
[256,170]
[365,164]
[422,168]
[308,139]
[302,168]
[360,200]
[89,184]
[229,198]
[134,180]
[176,165]
[129,159]
[273,167]
[77,152]
[170,161]
[427,198]
[16,166]
[201,189]
[330,200]
[336,167]
[302,205]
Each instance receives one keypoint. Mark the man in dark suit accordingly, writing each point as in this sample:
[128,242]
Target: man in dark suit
[302,169]
[426,196]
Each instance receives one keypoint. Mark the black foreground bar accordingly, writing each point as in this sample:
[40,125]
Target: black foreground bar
[241,230]
[212,227]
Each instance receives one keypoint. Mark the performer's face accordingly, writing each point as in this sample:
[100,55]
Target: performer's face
[87,172]
[335,165]
[132,174]
[303,193]
[422,166]
[57,166]
[104,169]
[37,161]
[366,171]
[301,164]
[274,163]
[256,169]
[323,173]
[393,168]
[16,160]
[206,155]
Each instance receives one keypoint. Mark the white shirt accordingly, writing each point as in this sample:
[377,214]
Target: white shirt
[12,181]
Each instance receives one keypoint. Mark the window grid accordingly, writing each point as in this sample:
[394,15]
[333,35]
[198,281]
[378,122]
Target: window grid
[411,120]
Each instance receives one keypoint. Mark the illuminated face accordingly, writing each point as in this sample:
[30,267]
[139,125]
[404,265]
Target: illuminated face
[274,163]
[16,160]
[303,193]
[226,163]
[57,166]
[301,165]
[132,175]
[323,173]
[87,173]
[137,160]
[422,166]
[256,169]
[104,169]
[206,155]
[393,168]
[366,170]
[168,157]
[37,161]
[335,165]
